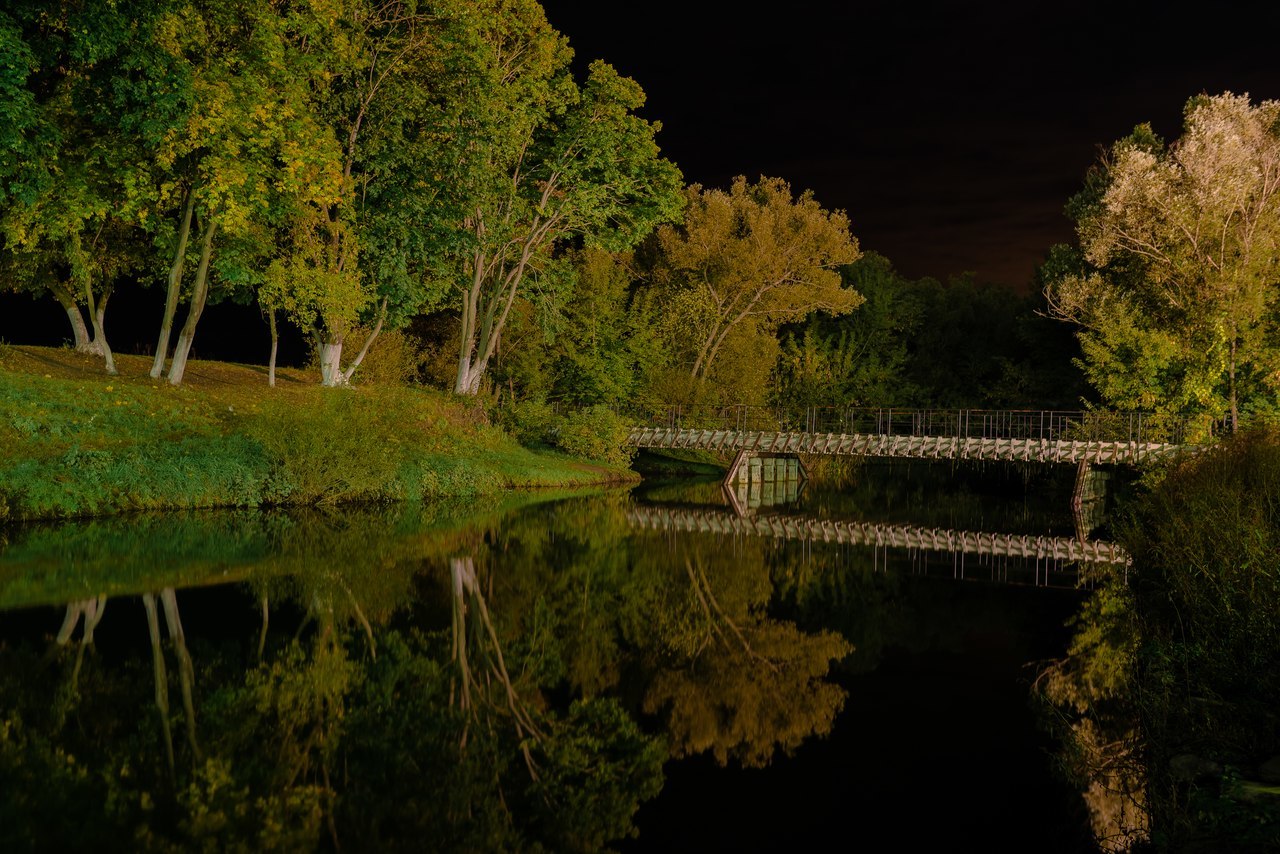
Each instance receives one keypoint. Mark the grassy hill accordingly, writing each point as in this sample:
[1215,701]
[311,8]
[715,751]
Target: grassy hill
[76,442]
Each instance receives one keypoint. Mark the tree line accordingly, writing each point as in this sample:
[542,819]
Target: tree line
[360,167]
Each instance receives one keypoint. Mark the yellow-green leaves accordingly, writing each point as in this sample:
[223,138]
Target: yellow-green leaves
[745,260]
[1177,299]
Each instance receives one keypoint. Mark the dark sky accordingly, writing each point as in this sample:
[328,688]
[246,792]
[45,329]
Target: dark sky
[952,136]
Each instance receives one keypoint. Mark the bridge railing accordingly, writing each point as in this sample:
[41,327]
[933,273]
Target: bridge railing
[1049,424]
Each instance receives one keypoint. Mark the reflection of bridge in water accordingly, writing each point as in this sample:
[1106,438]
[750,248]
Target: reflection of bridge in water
[1044,554]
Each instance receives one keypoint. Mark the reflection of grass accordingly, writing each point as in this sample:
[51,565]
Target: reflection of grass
[55,563]
[74,442]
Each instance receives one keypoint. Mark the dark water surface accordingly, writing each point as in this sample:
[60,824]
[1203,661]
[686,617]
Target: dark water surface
[551,673]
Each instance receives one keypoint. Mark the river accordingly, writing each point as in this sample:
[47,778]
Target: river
[653,669]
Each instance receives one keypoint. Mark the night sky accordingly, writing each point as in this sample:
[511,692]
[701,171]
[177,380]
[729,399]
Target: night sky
[951,136]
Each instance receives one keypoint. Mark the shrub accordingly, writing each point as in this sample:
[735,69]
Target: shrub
[334,450]
[596,433]
[531,422]
[395,359]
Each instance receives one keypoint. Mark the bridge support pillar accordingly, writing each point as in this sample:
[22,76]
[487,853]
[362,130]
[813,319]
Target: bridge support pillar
[751,467]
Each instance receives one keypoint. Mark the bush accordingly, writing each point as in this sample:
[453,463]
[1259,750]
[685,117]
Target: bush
[1205,540]
[395,359]
[531,422]
[338,448]
[596,433]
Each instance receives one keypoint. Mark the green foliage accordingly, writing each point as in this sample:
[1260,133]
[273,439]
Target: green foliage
[1171,288]
[1204,541]
[1204,538]
[595,433]
[531,422]
[327,455]
[599,767]
[920,343]
[75,448]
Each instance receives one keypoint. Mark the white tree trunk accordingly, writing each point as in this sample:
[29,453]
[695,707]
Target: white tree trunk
[275,342]
[331,374]
[97,313]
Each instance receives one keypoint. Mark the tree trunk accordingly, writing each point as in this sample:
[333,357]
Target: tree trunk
[198,295]
[79,331]
[331,373]
[175,288]
[331,363]
[98,314]
[275,341]
[1235,408]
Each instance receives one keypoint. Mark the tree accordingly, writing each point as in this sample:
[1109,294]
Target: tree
[570,164]
[67,161]
[365,256]
[744,261]
[857,359]
[1174,289]
[245,149]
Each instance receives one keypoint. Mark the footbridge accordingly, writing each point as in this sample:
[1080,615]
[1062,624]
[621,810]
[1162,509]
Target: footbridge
[1049,436]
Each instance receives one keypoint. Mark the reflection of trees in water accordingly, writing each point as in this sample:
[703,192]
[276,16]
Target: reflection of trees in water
[479,687]
[1087,703]
[725,676]
[753,685]
[324,736]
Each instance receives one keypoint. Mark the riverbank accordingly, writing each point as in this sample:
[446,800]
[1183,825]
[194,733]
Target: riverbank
[75,442]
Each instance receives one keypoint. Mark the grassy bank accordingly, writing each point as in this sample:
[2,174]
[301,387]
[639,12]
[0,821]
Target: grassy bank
[75,442]
[1205,540]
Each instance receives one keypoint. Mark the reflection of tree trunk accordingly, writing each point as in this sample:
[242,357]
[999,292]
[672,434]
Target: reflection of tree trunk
[465,586]
[161,678]
[707,598]
[92,609]
[186,672]
[368,629]
[262,636]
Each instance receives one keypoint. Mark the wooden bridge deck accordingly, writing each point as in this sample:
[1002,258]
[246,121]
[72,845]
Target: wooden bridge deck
[918,447]
[1036,547]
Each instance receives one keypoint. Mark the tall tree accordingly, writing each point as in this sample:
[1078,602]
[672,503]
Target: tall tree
[1174,292]
[365,256]
[67,161]
[570,164]
[246,140]
[747,260]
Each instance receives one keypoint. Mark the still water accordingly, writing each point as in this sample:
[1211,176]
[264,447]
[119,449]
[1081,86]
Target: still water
[661,669]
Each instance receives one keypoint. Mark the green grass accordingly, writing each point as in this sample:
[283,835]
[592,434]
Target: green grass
[75,442]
